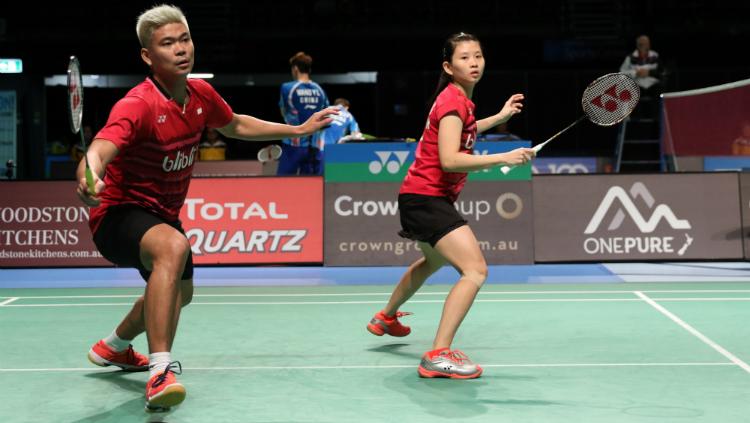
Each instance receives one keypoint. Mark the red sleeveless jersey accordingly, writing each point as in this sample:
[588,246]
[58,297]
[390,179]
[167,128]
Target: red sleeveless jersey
[426,176]
[157,141]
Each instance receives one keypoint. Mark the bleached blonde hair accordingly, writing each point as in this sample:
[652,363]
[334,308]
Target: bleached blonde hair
[157,17]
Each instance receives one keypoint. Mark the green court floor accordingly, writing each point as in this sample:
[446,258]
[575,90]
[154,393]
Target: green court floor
[552,353]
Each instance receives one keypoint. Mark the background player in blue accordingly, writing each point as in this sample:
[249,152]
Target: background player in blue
[299,100]
[343,125]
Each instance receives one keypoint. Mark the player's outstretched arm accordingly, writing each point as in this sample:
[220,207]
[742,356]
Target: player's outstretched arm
[248,128]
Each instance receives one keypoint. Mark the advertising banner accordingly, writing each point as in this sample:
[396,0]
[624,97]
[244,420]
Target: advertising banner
[726,163]
[362,223]
[44,224]
[388,162]
[255,220]
[745,206]
[636,217]
[558,165]
[252,220]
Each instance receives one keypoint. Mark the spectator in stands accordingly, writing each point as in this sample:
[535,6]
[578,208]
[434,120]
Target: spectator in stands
[299,99]
[741,145]
[344,127]
[212,147]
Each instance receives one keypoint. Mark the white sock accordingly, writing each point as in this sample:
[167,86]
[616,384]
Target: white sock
[157,362]
[116,343]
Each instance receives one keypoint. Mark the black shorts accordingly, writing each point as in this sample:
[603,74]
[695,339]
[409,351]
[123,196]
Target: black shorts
[119,235]
[426,218]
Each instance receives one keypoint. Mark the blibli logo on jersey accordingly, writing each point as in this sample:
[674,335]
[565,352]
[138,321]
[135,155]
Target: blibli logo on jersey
[181,161]
[390,160]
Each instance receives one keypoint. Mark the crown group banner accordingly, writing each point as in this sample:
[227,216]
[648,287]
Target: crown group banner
[361,206]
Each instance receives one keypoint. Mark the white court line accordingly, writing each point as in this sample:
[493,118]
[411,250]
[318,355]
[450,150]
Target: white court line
[384,366]
[364,294]
[526,300]
[8,301]
[694,331]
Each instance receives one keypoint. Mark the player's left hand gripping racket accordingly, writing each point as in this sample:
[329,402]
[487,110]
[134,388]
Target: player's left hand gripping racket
[606,102]
[75,109]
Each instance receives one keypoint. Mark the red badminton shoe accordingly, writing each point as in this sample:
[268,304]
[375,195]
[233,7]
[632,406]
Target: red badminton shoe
[129,360]
[381,324]
[163,391]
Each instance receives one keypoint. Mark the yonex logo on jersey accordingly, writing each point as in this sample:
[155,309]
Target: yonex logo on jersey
[161,119]
[392,165]
[181,161]
[633,244]
[611,100]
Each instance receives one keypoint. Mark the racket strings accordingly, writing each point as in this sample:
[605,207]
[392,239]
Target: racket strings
[610,99]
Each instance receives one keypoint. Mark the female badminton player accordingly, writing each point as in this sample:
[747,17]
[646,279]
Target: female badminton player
[428,215]
[142,161]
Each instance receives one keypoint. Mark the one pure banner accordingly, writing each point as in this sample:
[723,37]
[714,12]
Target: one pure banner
[362,223]
[745,196]
[636,217]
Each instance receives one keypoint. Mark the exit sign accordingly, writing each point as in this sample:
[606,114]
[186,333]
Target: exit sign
[11,66]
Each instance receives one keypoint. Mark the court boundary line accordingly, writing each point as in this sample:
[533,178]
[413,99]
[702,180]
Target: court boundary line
[695,332]
[364,294]
[8,301]
[517,300]
[383,366]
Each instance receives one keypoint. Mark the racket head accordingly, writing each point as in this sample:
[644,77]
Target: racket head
[610,98]
[75,94]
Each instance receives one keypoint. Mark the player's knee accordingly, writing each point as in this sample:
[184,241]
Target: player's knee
[177,248]
[477,275]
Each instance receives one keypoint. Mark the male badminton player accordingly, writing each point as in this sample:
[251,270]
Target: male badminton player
[142,162]
[432,185]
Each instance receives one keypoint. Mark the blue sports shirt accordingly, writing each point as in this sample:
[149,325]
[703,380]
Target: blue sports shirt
[343,124]
[298,101]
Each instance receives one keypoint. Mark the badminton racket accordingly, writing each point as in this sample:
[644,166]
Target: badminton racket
[75,109]
[606,101]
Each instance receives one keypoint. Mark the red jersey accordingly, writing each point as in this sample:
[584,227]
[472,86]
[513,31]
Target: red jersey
[157,141]
[425,175]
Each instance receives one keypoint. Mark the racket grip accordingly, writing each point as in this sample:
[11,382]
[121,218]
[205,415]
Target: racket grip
[90,181]
[505,169]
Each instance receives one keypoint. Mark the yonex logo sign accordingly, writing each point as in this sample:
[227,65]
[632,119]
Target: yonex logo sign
[390,160]
[662,211]
[611,99]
